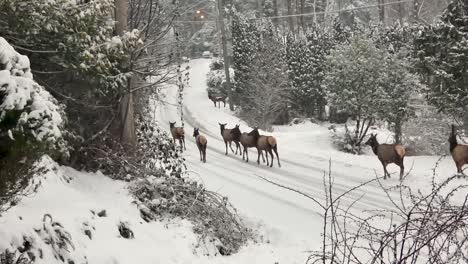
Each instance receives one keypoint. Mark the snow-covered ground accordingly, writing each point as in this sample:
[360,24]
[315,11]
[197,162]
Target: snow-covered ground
[288,219]
[289,223]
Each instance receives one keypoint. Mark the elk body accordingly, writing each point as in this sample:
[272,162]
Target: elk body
[267,144]
[387,154]
[201,144]
[246,141]
[177,133]
[228,138]
[459,152]
[217,99]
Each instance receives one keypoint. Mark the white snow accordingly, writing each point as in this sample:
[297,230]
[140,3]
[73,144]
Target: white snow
[40,112]
[288,223]
[288,219]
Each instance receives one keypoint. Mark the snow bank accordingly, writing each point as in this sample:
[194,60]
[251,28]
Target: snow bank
[75,202]
[40,113]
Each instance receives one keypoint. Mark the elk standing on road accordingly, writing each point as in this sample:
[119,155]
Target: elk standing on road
[246,142]
[201,144]
[387,154]
[178,134]
[459,152]
[228,138]
[218,99]
[266,143]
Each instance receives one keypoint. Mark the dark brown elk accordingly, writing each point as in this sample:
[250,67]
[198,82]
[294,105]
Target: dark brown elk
[387,154]
[228,138]
[201,143]
[246,142]
[459,152]
[178,133]
[267,144]
[217,99]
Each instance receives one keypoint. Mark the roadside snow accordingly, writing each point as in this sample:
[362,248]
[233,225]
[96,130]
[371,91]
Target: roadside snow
[71,197]
[287,219]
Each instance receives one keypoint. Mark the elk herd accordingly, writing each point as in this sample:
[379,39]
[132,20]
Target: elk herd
[253,139]
[386,153]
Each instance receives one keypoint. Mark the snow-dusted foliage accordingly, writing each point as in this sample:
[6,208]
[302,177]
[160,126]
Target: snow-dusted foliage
[369,84]
[216,78]
[306,58]
[26,109]
[76,36]
[245,39]
[442,51]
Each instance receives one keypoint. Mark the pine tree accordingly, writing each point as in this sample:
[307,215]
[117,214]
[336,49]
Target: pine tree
[442,52]
[245,39]
[306,59]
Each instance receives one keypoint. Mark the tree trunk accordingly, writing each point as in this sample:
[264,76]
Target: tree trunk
[381,11]
[398,132]
[302,11]
[465,119]
[401,12]
[415,11]
[126,108]
[225,55]
[290,18]
[275,12]
[260,8]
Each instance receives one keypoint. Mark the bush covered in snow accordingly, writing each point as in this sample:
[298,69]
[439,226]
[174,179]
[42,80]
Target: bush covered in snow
[26,109]
[74,36]
[216,78]
[31,123]
[213,217]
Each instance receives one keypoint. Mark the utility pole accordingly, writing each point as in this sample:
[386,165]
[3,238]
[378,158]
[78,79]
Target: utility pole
[225,54]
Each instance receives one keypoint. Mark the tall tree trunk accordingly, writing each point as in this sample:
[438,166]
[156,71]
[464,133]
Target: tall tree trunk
[302,11]
[415,10]
[465,120]
[126,107]
[275,12]
[381,11]
[401,12]
[290,18]
[260,8]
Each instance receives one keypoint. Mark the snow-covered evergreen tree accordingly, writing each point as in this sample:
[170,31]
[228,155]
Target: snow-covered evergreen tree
[245,41]
[306,59]
[442,52]
[369,84]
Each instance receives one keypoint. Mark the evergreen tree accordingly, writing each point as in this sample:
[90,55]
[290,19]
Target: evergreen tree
[245,43]
[306,59]
[369,84]
[442,52]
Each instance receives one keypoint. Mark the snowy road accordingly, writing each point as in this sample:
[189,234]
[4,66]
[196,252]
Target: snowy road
[305,151]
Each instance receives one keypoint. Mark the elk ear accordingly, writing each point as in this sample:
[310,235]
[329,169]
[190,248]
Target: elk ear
[220,124]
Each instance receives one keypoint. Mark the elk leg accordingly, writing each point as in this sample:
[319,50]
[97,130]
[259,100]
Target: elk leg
[272,158]
[258,157]
[183,139]
[402,170]
[246,154]
[275,149]
[201,153]
[225,143]
[181,145]
[204,154]
[385,170]
[263,157]
[230,145]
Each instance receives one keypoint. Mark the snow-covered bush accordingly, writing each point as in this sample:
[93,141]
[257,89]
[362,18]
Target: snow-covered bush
[26,108]
[216,78]
[31,123]
[370,84]
[213,217]
[48,243]
[75,37]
